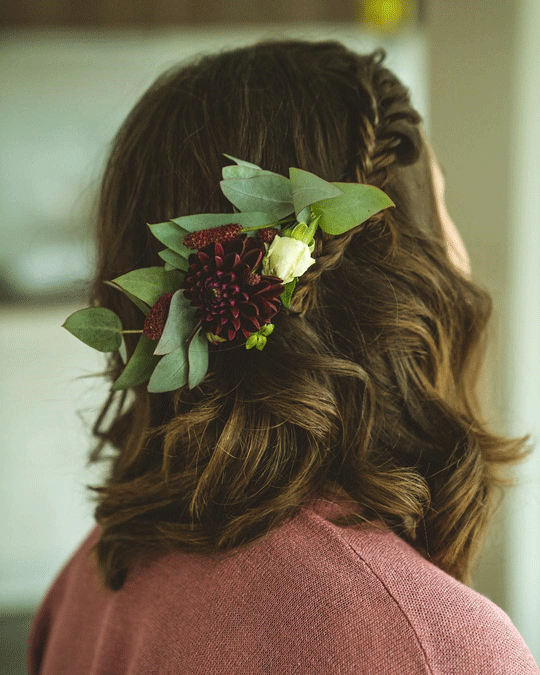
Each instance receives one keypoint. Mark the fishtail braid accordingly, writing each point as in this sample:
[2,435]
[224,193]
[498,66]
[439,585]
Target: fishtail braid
[384,132]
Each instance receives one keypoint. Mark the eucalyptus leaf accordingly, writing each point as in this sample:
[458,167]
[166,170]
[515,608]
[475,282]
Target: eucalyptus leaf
[198,359]
[172,236]
[98,327]
[204,221]
[358,203]
[242,162]
[269,192]
[174,259]
[171,372]
[308,188]
[234,171]
[140,365]
[304,216]
[180,322]
[150,283]
[139,303]
[123,351]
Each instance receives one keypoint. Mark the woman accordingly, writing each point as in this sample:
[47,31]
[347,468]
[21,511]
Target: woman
[315,506]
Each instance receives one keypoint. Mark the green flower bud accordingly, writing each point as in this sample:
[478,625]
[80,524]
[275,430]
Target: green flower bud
[267,329]
[261,341]
[252,340]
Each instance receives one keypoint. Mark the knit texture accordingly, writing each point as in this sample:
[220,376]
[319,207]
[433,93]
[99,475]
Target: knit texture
[307,598]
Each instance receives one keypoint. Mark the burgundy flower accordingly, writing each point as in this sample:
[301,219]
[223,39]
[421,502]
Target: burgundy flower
[202,238]
[230,297]
[267,234]
[155,320]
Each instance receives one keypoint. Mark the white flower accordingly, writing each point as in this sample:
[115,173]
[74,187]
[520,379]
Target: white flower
[287,258]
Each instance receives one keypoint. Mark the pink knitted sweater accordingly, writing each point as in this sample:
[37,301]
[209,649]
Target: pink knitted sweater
[308,598]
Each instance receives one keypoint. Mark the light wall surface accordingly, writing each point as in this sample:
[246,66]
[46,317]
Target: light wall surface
[523,343]
[483,76]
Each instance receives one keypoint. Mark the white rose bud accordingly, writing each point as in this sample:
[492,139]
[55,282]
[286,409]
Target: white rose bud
[287,258]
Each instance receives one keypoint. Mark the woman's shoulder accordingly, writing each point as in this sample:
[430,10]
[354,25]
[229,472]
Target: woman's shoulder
[457,628]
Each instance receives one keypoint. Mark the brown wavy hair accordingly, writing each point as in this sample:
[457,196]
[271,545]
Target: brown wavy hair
[365,387]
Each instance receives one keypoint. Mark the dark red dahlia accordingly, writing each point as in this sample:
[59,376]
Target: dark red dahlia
[230,297]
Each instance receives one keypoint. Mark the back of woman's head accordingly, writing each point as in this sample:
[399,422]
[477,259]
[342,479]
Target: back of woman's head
[366,385]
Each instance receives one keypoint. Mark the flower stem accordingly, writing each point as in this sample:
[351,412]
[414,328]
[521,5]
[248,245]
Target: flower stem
[276,223]
[192,334]
[251,229]
[131,331]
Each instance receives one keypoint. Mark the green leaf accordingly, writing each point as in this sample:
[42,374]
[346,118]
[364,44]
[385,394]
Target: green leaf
[270,193]
[304,216]
[172,236]
[204,221]
[285,297]
[171,372]
[310,232]
[357,204]
[140,365]
[242,162]
[308,188]
[234,171]
[180,322]
[98,327]
[198,359]
[123,351]
[150,283]
[139,303]
[175,259]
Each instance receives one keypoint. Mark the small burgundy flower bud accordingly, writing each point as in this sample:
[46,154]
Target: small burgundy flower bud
[202,238]
[267,234]
[156,318]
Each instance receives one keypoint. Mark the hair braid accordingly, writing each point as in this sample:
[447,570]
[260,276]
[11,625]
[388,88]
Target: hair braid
[382,134]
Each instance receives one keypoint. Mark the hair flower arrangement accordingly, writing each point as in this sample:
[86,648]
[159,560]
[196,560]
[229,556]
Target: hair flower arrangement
[225,275]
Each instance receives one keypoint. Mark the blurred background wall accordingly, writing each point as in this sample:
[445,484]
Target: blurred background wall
[483,77]
[70,73]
